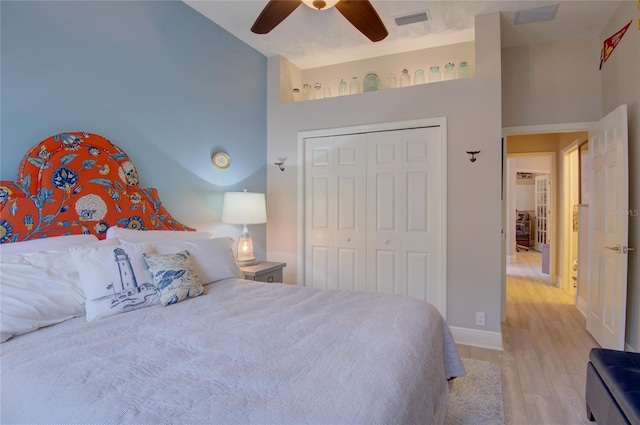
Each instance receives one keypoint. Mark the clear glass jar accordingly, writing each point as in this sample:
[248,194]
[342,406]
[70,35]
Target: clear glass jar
[418,77]
[434,74]
[317,91]
[391,82]
[405,79]
[342,88]
[449,71]
[307,93]
[464,71]
[354,86]
[371,82]
[296,95]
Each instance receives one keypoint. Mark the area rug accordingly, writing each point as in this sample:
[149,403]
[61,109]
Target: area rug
[476,399]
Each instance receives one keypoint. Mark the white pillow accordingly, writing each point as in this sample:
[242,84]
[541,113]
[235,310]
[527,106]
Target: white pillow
[129,235]
[44,244]
[213,258]
[38,289]
[115,279]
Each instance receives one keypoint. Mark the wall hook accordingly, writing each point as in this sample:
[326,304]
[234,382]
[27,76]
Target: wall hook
[473,155]
[280,163]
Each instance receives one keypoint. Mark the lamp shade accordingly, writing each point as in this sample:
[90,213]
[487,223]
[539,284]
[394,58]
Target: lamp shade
[244,208]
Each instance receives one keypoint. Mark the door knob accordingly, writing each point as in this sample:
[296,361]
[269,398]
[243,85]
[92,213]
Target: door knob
[386,241]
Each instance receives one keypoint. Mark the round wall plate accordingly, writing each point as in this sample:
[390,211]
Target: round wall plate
[221,160]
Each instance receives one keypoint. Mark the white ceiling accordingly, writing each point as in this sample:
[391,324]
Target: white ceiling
[311,38]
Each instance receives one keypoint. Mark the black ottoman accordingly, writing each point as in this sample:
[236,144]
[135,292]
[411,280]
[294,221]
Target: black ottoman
[613,387]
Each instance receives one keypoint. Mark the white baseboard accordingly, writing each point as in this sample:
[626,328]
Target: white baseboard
[511,258]
[477,338]
[581,305]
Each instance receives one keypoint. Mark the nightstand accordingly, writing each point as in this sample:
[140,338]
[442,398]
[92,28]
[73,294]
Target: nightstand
[264,271]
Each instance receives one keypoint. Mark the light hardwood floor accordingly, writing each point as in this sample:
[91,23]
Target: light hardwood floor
[546,349]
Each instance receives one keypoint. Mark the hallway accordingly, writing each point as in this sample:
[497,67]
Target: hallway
[546,349]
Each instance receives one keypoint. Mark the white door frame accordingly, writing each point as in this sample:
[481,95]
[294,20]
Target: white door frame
[532,129]
[397,125]
[566,211]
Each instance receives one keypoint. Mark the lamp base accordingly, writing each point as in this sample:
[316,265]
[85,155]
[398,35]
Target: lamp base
[250,262]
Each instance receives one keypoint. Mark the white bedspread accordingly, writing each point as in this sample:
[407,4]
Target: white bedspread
[245,352]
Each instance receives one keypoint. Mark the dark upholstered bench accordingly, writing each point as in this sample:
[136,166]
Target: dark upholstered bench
[613,387]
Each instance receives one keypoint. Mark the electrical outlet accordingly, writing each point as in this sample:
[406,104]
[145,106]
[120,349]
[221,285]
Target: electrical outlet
[480,318]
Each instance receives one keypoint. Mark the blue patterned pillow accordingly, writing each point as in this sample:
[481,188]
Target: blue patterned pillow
[175,276]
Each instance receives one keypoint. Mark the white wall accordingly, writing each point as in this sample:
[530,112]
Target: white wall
[621,84]
[551,83]
[473,109]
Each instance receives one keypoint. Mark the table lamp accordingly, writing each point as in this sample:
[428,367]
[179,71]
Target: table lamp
[244,208]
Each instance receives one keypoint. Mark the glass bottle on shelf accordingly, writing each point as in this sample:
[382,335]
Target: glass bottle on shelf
[354,86]
[405,79]
[296,95]
[370,82]
[342,88]
[317,91]
[449,71]
[434,74]
[418,77]
[464,71]
[391,82]
[307,94]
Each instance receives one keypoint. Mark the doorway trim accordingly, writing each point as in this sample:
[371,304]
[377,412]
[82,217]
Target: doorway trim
[566,211]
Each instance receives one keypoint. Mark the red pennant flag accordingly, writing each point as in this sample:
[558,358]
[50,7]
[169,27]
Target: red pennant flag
[611,43]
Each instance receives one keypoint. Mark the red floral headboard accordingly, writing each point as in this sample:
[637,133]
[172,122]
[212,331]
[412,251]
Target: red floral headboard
[74,183]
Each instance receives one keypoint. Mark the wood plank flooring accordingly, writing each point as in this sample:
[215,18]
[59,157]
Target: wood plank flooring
[546,349]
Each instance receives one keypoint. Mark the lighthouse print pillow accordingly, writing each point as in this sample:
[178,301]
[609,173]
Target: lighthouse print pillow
[115,279]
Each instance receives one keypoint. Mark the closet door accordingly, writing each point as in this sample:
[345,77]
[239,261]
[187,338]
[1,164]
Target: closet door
[335,219]
[404,196]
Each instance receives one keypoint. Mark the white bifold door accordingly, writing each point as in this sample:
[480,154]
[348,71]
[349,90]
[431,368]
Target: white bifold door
[375,213]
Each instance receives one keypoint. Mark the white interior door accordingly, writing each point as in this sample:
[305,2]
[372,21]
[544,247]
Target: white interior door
[374,216]
[335,229]
[404,195]
[609,230]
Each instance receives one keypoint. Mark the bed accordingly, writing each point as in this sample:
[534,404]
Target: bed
[199,346]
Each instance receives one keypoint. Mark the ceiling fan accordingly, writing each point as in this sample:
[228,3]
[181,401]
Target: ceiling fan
[360,13]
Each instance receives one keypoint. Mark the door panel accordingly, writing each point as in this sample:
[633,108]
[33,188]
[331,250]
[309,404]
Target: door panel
[609,230]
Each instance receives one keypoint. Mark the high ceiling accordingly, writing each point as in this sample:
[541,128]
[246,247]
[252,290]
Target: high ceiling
[311,38]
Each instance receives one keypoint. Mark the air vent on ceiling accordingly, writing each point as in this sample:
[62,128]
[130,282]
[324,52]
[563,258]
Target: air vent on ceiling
[537,14]
[412,18]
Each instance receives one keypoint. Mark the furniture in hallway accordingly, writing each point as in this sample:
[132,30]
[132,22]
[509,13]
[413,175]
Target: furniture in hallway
[523,231]
[613,387]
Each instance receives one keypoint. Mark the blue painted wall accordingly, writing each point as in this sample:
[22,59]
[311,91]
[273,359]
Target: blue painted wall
[156,78]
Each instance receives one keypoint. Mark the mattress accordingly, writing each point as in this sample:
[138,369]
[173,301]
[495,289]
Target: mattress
[244,352]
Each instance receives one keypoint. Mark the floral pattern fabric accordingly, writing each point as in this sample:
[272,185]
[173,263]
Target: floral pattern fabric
[77,183]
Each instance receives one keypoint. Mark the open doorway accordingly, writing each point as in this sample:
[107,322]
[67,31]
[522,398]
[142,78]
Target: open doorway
[526,149]
[531,209]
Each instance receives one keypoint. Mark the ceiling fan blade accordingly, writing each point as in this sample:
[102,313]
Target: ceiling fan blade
[273,13]
[364,17]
